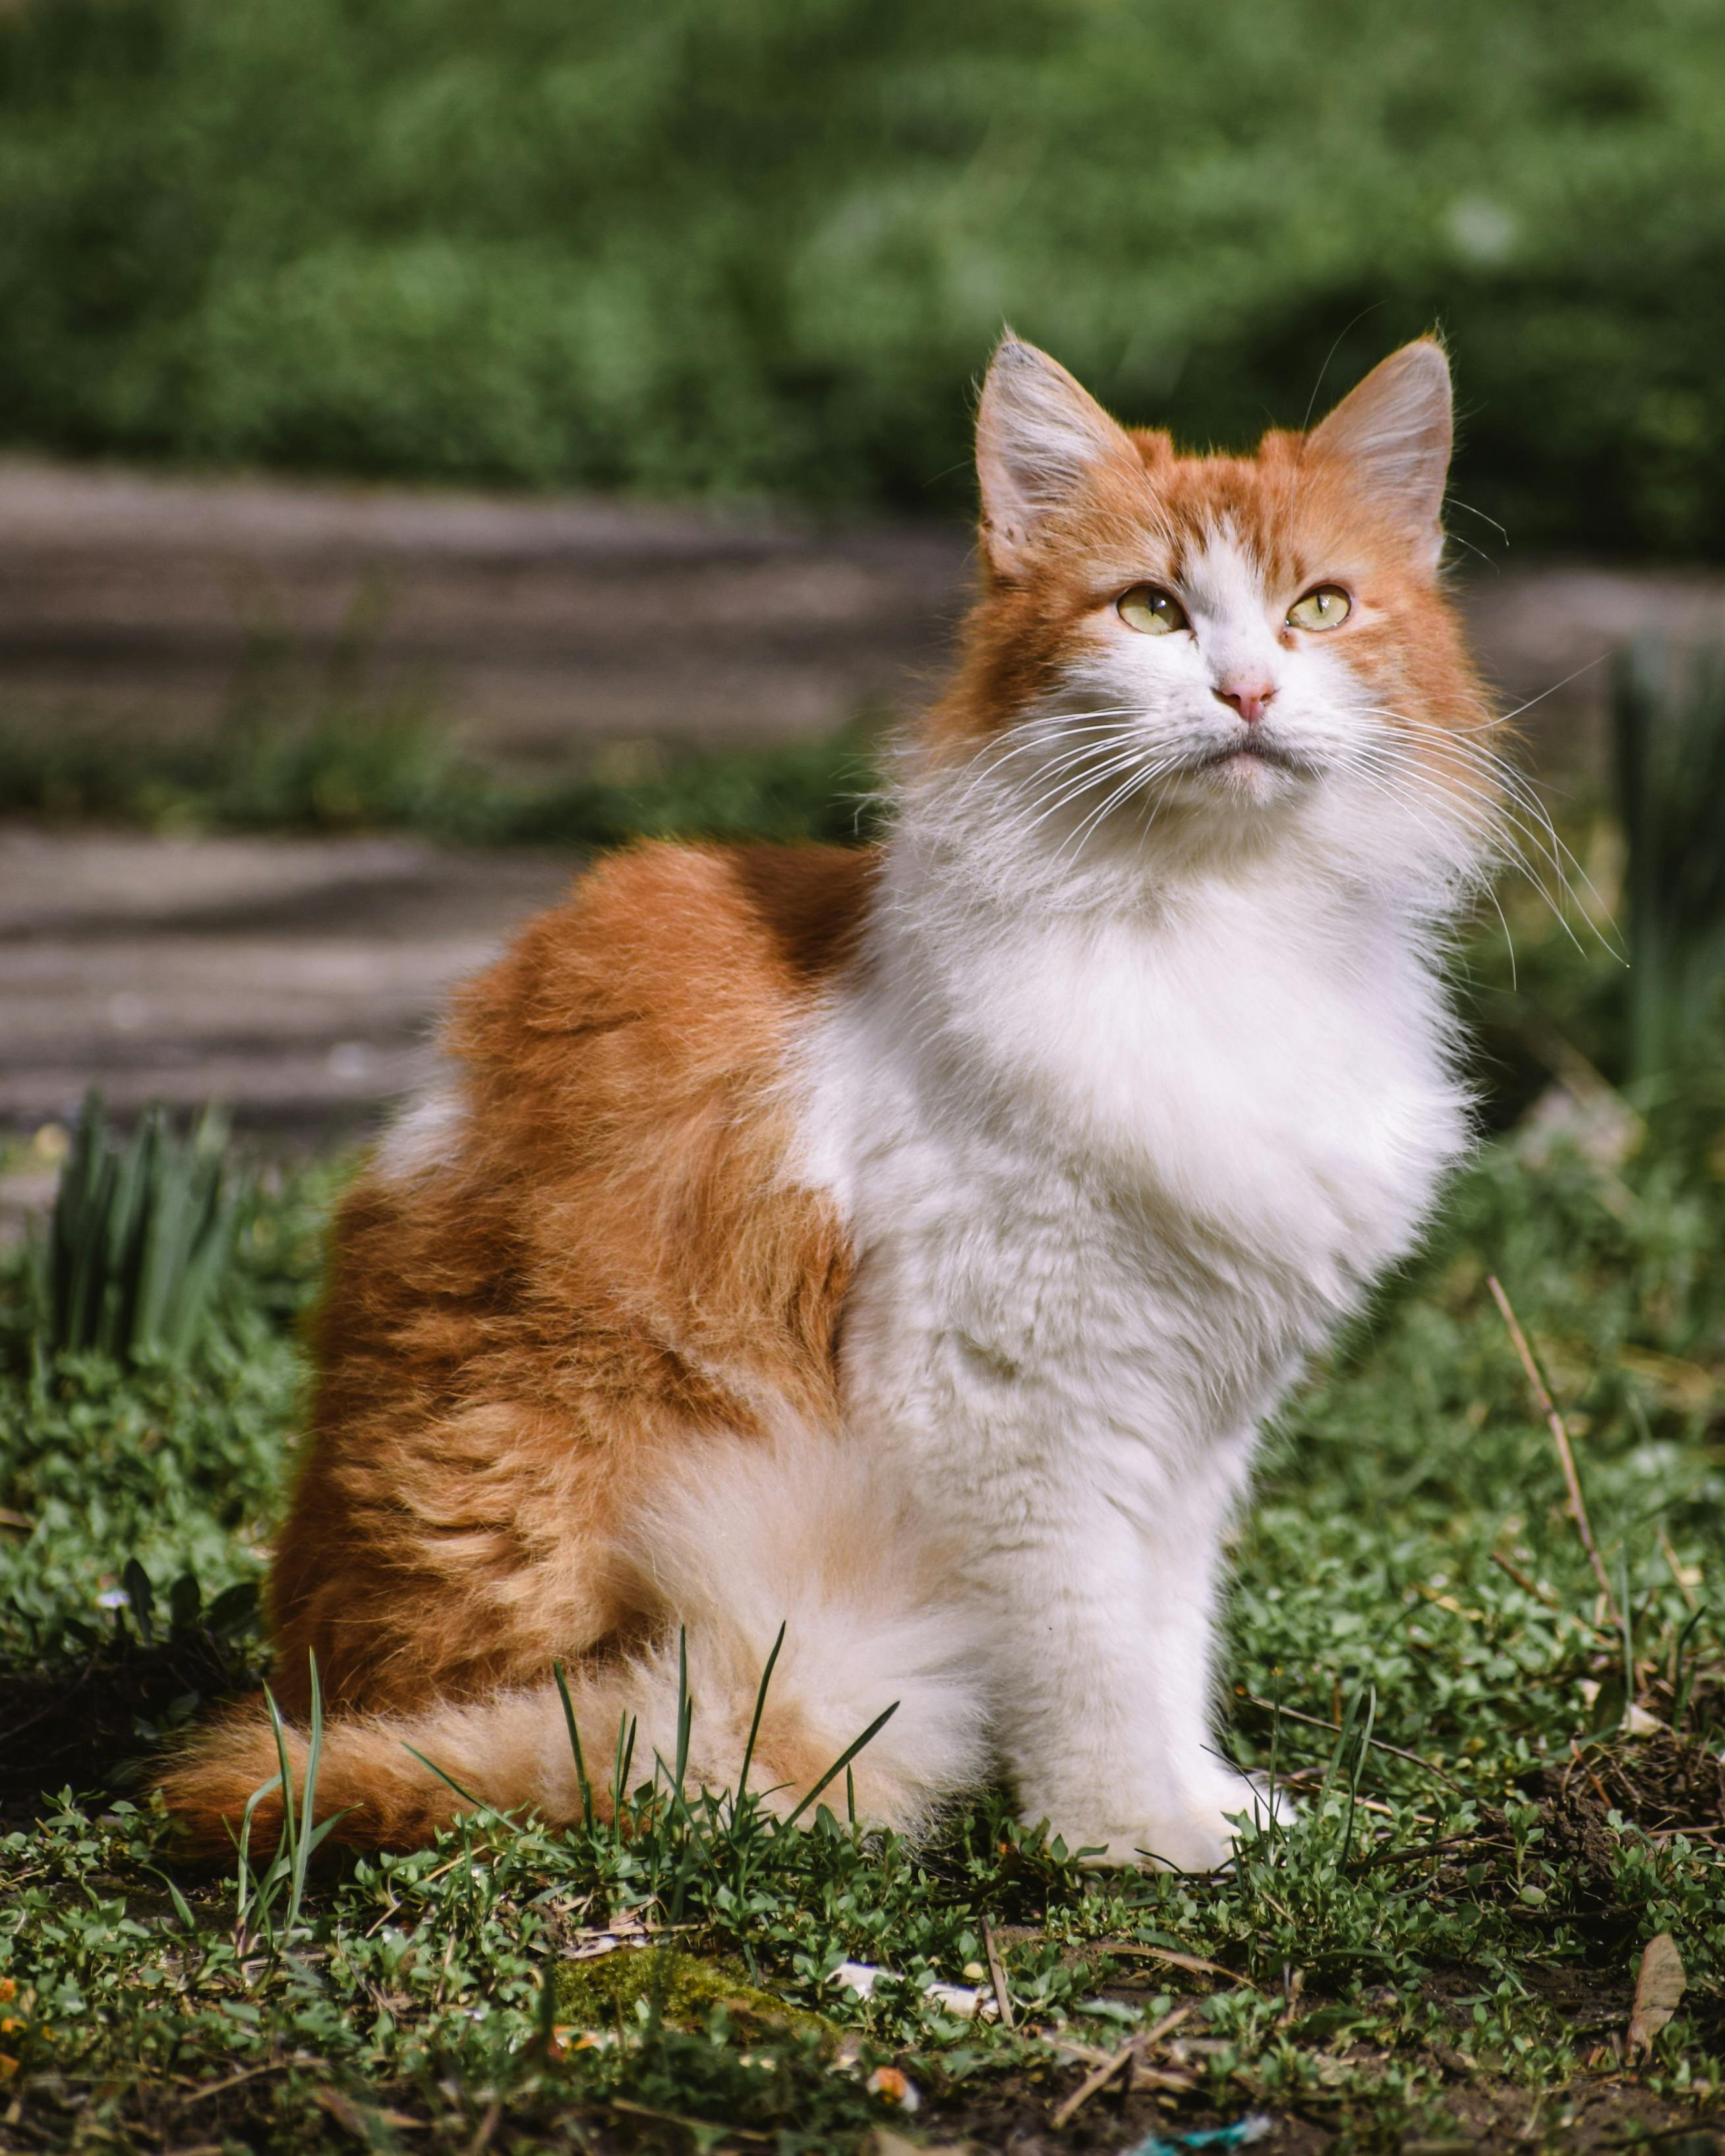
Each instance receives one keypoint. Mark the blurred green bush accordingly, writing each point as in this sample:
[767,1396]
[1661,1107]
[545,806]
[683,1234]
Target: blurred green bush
[764,245]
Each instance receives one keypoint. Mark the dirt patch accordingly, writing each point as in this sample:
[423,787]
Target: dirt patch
[91,1725]
[1662,1783]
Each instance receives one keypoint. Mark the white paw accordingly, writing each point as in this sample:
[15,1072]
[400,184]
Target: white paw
[1195,1835]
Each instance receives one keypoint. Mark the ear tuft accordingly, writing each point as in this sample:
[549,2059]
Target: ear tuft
[1039,437]
[1394,432]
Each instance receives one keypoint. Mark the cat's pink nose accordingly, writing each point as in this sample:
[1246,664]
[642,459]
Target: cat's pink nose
[1247,698]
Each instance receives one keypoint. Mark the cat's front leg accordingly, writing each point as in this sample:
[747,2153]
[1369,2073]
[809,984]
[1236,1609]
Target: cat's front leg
[1105,1625]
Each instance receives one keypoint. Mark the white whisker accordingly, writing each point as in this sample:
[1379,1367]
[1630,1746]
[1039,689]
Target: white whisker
[1135,783]
[1534,825]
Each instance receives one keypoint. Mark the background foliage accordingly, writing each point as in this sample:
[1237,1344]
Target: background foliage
[766,245]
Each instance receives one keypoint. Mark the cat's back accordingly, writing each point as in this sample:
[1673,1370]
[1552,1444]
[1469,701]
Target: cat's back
[575,1254]
[603,1154]
[667,961]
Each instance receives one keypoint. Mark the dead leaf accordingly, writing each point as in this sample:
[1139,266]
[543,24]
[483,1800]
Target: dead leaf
[1659,1986]
[1685,1386]
[1196,1963]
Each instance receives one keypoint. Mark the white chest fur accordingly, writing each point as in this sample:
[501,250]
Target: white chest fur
[1147,1161]
[1108,1180]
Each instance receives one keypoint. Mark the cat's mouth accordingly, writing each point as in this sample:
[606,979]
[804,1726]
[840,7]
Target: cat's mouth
[1250,758]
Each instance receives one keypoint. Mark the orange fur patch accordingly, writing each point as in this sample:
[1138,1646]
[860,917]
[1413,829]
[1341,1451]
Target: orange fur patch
[611,1263]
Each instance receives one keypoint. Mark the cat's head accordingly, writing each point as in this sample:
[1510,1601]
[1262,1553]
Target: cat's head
[1215,647]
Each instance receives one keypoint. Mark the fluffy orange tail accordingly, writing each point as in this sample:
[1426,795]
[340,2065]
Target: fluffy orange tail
[758,1542]
[511,1753]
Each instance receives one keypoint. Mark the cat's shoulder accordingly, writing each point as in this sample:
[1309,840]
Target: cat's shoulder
[711,940]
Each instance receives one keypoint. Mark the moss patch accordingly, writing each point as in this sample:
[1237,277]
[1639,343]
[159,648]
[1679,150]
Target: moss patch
[683,1987]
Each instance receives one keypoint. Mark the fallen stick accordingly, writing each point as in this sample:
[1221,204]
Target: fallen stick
[1670,1556]
[1318,1722]
[1195,1962]
[1550,1601]
[997,1975]
[1560,1438]
[1112,2065]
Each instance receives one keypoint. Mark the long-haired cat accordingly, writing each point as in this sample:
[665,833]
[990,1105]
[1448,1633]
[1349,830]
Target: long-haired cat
[904,1245]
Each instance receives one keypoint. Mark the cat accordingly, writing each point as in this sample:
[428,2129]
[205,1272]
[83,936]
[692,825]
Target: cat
[903,1245]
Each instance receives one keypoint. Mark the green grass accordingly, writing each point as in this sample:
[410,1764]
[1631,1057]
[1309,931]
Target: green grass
[1442,1942]
[140,1239]
[765,247]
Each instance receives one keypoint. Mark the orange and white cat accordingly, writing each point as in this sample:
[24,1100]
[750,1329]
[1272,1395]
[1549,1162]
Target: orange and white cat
[904,1245]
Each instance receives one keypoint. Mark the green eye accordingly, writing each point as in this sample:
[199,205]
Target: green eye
[1147,608]
[1325,608]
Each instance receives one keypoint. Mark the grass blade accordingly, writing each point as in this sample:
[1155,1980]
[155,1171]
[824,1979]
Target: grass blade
[1682,1679]
[748,1749]
[304,1843]
[1354,1773]
[1349,1714]
[581,1781]
[467,1797]
[289,1830]
[245,1894]
[844,1760]
[621,1762]
[685,1710]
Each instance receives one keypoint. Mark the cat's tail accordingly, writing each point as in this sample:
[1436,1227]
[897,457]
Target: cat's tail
[752,1541]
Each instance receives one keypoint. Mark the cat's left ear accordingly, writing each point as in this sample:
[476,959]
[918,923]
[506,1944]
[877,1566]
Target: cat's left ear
[1394,432]
[1041,437]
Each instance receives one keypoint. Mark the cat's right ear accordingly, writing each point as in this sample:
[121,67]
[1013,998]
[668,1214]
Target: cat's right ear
[1391,435]
[1039,437]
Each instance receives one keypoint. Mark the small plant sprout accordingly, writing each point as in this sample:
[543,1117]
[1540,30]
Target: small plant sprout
[141,1234]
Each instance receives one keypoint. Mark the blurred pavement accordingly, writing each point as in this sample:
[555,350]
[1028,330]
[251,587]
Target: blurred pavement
[541,626]
[547,626]
[298,979]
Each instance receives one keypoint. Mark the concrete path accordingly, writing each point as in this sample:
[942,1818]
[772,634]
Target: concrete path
[543,628]
[540,629]
[295,980]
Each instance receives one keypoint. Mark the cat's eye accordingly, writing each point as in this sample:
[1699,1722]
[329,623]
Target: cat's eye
[1325,607]
[1148,608]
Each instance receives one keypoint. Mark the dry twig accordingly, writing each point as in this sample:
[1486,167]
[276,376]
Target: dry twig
[1560,1437]
[1195,1962]
[1544,1596]
[1669,1555]
[1112,2065]
[1318,1722]
[997,1975]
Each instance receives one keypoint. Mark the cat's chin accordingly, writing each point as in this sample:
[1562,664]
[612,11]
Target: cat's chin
[1252,777]
[1219,791]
